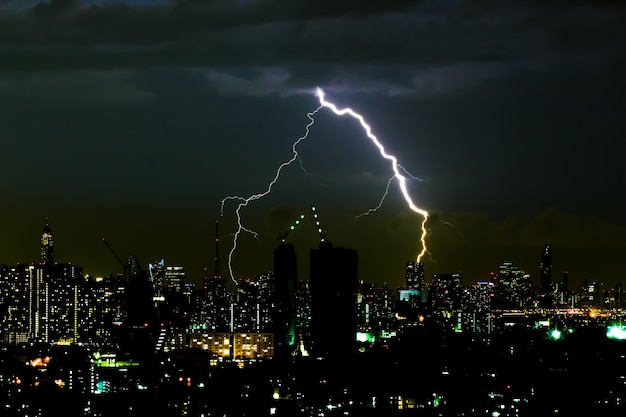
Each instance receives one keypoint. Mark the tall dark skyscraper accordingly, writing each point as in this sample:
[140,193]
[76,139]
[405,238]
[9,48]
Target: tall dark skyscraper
[334,284]
[545,277]
[285,278]
[47,248]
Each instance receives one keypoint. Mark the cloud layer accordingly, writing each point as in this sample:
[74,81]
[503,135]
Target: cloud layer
[394,48]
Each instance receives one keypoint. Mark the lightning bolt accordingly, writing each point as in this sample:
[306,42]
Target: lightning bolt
[244,201]
[382,199]
[400,175]
[380,203]
[402,180]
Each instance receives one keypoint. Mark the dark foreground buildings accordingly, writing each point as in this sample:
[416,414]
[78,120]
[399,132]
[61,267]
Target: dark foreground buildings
[334,279]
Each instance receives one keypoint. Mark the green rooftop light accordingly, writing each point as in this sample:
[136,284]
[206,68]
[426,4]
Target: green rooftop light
[616,332]
[555,334]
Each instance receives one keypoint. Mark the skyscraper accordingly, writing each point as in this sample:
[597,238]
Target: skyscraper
[415,275]
[46,248]
[15,303]
[284,317]
[55,292]
[175,277]
[545,277]
[334,283]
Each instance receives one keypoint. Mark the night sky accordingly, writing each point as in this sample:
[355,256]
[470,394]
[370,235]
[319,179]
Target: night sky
[132,120]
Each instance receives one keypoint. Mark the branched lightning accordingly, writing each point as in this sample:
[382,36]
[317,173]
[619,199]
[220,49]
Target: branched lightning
[382,199]
[380,203]
[244,201]
[402,180]
[400,174]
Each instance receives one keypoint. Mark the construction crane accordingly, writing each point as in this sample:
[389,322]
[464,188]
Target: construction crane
[124,264]
[132,265]
[317,223]
[282,236]
[322,233]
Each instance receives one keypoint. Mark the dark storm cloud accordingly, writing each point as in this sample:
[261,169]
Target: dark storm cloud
[424,34]
[115,86]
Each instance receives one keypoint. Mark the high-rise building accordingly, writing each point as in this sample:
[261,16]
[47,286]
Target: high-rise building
[156,270]
[446,292]
[476,315]
[415,294]
[98,310]
[334,280]
[545,277]
[415,275]
[46,248]
[55,292]
[303,315]
[211,306]
[284,317]
[14,303]
[175,277]
[512,287]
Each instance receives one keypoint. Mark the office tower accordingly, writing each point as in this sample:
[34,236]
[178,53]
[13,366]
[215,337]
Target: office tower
[376,309]
[98,310]
[284,317]
[46,248]
[246,315]
[65,290]
[590,294]
[55,292]
[156,270]
[303,315]
[264,301]
[137,334]
[545,277]
[477,316]
[175,278]
[446,292]
[173,311]
[211,306]
[512,287]
[415,275]
[14,303]
[333,297]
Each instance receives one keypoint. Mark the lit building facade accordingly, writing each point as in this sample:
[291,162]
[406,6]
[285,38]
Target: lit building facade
[14,303]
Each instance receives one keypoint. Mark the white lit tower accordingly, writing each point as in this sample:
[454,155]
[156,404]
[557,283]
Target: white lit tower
[54,296]
[211,303]
[39,287]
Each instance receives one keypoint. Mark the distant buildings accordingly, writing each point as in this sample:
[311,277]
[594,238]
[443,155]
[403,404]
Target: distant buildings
[275,315]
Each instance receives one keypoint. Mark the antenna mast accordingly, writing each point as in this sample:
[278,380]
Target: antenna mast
[217,273]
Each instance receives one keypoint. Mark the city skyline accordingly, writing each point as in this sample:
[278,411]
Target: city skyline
[510,114]
[555,275]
